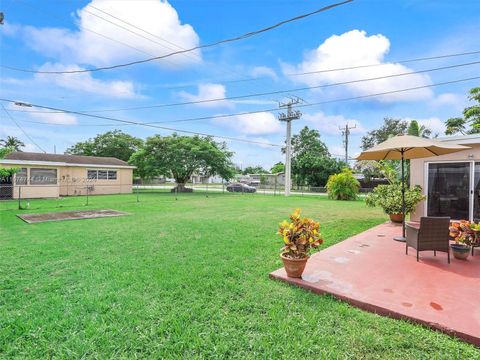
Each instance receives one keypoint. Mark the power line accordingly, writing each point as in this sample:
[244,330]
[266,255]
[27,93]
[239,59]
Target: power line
[277,91]
[241,113]
[382,64]
[224,41]
[130,31]
[21,129]
[192,56]
[142,124]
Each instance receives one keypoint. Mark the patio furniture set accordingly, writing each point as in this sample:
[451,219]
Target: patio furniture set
[435,233]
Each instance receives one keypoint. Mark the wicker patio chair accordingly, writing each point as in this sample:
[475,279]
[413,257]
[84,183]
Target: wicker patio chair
[433,235]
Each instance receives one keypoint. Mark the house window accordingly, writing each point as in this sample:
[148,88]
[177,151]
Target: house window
[102,174]
[92,174]
[21,177]
[43,176]
[112,175]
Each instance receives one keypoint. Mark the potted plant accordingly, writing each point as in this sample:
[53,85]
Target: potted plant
[389,198]
[300,236]
[463,232]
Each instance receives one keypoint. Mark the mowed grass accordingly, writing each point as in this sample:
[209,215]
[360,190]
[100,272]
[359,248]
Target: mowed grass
[186,278]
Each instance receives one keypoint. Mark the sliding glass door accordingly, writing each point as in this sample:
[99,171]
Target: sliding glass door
[476,193]
[449,189]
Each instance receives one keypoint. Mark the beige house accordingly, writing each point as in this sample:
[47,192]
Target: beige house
[53,175]
[450,182]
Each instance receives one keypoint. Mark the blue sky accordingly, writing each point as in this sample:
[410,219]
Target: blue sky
[63,35]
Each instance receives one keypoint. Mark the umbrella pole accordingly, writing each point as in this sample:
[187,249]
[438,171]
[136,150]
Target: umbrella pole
[403,237]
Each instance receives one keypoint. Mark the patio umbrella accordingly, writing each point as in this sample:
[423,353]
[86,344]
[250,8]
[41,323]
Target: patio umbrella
[405,147]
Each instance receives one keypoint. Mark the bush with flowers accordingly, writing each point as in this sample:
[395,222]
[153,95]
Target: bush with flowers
[300,235]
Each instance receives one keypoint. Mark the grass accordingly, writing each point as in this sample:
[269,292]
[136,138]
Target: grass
[185,278]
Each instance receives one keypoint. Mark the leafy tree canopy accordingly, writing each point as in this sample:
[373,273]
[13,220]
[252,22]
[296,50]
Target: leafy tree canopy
[470,122]
[279,167]
[311,161]
[390,127]
[11,142]
[180,157]
[254,170]
[114,143]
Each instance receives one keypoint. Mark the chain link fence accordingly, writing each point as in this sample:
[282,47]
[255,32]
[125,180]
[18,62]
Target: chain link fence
[29,197]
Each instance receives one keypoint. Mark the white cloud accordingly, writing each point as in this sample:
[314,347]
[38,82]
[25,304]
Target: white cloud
[86,83]
[330,124]
[208,91]
[264,71]
[46,116]
[458,102]
[263,123]
[355,48]
[85,47]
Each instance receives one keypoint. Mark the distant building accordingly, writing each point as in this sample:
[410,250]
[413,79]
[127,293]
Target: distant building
[53,175]
[201,179]
[263,179]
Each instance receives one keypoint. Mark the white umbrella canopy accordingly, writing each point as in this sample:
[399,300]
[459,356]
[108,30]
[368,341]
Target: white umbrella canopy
[405,147]
[411,147]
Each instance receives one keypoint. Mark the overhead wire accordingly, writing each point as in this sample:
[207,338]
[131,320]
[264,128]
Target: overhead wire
[244,96]
[21,128]
[224,41]
[152,123]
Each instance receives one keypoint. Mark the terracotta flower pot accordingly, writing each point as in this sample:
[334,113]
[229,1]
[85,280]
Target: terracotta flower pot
[294,267]
[396,218]
[460,251]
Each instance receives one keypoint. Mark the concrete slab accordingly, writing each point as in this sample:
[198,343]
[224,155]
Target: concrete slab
[372,272]
[70,215]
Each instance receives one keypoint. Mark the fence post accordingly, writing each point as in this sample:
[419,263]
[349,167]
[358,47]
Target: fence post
[87,196]
[138,200]
[19,198]
[176,191]
[275,188]
[223,187]
[206,189]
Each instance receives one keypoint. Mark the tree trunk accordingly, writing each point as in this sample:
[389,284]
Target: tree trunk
[181,188]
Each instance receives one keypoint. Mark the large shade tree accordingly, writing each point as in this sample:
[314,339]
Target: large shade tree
[389,128]
[470,122]
[312,164]
[179,157]
[114,143]
[254,170]
[13,143]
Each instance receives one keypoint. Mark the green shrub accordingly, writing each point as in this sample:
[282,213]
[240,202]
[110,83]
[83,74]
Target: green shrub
[389,198]
[343,186]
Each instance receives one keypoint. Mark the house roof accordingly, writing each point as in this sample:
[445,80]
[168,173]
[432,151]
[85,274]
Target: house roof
[62,160]
[462,139]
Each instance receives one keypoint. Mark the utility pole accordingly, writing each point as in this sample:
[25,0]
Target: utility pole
[346,133]
[288,117]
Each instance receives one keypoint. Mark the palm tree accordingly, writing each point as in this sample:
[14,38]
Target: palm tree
[12,142]
[415,129]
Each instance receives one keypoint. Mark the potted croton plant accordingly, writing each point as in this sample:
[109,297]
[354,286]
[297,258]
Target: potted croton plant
[463,232]
[389,198]
[300,236]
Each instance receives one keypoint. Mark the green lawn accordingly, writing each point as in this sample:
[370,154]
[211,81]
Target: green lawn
[185,278]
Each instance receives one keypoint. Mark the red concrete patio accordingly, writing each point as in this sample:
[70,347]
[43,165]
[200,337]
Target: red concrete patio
[372,272]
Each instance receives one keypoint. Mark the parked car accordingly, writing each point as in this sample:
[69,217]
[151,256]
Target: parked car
[239,187]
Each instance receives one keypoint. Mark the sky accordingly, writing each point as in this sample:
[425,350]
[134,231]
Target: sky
[73,35]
